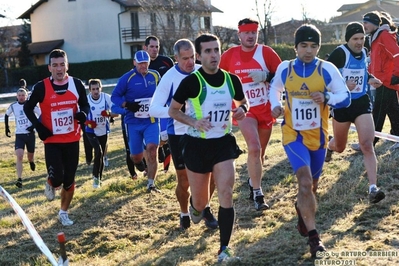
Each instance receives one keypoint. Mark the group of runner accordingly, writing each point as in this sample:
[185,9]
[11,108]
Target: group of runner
[199,104]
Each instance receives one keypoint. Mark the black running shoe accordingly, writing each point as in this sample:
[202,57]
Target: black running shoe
[32,166]
[260,204]
[251,191]
[376,195]
[19,183]
[185,222]
[315,245]
[210,220]
[140,166]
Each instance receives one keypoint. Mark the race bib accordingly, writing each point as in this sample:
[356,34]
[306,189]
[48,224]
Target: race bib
[22,123]
[305,114]
[62,121]
[256,92]
[145,106]
[357,75]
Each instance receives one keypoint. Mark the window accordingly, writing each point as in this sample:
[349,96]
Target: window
[205,23]
[171,21]
[134,17]
[153,19]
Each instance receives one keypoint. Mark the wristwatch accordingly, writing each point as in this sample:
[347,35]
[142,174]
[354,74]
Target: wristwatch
[326,97]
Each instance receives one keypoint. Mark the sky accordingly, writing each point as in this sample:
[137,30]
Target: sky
[233,10]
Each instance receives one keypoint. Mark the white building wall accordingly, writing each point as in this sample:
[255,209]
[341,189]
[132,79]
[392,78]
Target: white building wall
[89,28]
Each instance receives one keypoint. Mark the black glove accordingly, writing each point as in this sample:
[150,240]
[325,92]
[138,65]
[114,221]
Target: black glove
[394,80]
[43,131]
[8,132]
[134,106]
[81,117]
[111,120]
[30,129]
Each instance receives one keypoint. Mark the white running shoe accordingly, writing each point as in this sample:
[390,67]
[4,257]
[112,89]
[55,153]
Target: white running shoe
[49,191]
[64,219]
[106,163]
[96,182]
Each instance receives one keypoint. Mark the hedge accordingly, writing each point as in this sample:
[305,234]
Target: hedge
[110,69]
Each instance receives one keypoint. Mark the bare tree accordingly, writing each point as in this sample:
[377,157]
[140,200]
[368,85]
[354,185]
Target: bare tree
[264,19]
[227,36]
[305,16]
[175,19]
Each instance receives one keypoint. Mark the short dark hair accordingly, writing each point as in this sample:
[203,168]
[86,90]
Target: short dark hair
[22,83]
[206,37]
[247,21]
[149,38]
[95,81]
[57,53]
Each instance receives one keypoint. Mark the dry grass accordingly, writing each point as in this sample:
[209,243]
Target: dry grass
[120,224]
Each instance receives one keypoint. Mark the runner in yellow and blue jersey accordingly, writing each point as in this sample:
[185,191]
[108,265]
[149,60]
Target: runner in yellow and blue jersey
[311,85]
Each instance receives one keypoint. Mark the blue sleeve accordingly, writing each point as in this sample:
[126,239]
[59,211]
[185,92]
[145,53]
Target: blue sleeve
[117,96]
[340,96]
[116,109]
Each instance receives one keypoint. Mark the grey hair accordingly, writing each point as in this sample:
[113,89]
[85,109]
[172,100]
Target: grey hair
[182,44]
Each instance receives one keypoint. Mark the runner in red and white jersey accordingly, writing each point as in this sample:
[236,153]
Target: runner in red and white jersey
[256,65]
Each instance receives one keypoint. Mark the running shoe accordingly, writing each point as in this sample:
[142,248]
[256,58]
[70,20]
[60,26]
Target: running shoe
[303,231]
[260,204]
[184,222]
[251,191]
[106,163]
[152,188]
[328,155]
[19,183]
[376,195]
[226,255]
[315,246]
[49,192]
[64,219]
[96,182]
[210,220]
[195,215]
[140,166]
[355,146]
[32,166]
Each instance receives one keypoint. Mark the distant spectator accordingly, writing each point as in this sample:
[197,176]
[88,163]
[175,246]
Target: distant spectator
[22,84]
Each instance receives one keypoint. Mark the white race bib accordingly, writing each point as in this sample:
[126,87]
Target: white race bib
[357,75]
[62,121]
[256,92]
[305,114]
[145,106]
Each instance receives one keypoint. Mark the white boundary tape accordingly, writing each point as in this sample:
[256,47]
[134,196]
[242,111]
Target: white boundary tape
[381,135]
[376,133]
[29,227]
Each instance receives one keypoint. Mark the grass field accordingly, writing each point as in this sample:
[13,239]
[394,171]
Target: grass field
[120,224]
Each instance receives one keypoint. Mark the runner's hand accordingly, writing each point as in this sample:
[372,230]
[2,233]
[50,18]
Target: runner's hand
[133,107]
[91,124]
[43,131]
[80,116]
[8,132]
[106,113]
[258,75]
